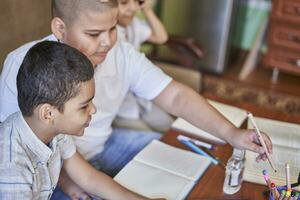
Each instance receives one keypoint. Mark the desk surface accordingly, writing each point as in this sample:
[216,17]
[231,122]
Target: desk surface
[210,186]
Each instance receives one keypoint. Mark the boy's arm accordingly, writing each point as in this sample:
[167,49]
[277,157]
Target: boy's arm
[184,102]
[96,182]
[158,32]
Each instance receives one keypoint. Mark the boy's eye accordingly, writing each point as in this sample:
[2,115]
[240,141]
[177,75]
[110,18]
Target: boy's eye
[113,28]
[93,34]
[84,107]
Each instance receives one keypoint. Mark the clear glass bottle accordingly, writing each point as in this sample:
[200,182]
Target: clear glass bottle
[234,172]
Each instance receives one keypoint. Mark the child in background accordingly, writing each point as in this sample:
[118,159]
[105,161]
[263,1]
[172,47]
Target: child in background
[135,112]
[90,27]
[55,92]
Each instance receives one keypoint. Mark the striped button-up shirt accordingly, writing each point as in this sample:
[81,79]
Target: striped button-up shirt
[29,169]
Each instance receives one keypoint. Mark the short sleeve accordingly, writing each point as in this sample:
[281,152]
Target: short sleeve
[147,80]
[142,29]
[66,146]
[15,182]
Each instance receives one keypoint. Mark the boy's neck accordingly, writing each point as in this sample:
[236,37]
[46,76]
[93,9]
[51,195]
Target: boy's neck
[44,133]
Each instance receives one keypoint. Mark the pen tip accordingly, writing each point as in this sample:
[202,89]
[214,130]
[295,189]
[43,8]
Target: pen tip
[265,172]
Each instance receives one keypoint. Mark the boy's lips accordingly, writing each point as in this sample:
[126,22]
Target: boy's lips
[87,123]
[101,54]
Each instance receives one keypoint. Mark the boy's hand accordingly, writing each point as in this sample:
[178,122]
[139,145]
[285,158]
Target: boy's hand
[72,189]
[248,139]
[146,5]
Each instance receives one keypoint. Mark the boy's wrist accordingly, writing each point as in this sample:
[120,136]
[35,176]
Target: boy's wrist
[146,9]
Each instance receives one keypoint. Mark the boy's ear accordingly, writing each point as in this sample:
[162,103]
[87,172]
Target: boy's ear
[58,27]
[46,113]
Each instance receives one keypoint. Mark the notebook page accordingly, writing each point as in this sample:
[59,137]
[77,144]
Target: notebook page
[285,137]
[174,160]
[235,115]
[152,182]
[184,126]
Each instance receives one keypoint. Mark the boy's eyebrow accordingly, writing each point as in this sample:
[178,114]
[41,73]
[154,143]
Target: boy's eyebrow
[85,102]
[98,30]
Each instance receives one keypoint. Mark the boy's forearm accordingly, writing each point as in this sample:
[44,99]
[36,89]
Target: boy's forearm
[159,34]
[95,182]
[112,189]
[184,102]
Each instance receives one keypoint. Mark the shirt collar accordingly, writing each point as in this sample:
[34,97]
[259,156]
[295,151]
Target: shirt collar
[36,146]
[108,67]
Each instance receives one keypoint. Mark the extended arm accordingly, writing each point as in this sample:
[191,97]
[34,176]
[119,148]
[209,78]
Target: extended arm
[95,182]
[182,101]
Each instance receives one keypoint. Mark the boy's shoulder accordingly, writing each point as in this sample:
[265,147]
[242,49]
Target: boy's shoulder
[124,50]
[18,54]
[10,139]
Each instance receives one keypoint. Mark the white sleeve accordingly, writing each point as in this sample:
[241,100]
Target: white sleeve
[146,79]
[8,86]
[143,30]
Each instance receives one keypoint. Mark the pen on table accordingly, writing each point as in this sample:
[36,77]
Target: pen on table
[297,195]
[218,159]
[196,142]
[196,149]
[293,196]
[274,191]
[282,195]
[262,142]
[287,194]
[287,174]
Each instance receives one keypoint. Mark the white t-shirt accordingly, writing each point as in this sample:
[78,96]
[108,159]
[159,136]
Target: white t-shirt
[136,33]
[123,69]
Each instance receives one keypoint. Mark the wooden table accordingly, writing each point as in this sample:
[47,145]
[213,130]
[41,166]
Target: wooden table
[210,185]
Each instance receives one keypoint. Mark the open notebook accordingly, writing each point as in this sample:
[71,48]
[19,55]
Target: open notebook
[235,115]
[286,148]
[164,171]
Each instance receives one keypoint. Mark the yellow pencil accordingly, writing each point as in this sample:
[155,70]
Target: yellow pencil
[262,142]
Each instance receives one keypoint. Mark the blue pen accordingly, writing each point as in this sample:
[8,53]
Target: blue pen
[196,149]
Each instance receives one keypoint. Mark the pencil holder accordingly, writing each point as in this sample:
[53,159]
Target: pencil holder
[279,188]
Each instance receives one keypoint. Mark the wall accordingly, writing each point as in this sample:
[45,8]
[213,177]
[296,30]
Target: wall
[22,21]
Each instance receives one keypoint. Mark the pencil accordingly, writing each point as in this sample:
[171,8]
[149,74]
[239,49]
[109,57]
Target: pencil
[261,140]
[287,174]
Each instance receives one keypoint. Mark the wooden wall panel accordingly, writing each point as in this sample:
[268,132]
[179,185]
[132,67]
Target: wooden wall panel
[22,21]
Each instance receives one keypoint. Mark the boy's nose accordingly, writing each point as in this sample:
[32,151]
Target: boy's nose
[93,109]
[105,40]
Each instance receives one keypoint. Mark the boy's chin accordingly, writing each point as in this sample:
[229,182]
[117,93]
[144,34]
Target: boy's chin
[79,133]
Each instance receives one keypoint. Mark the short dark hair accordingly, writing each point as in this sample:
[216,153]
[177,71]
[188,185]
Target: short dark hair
[51,72]
[68,10]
